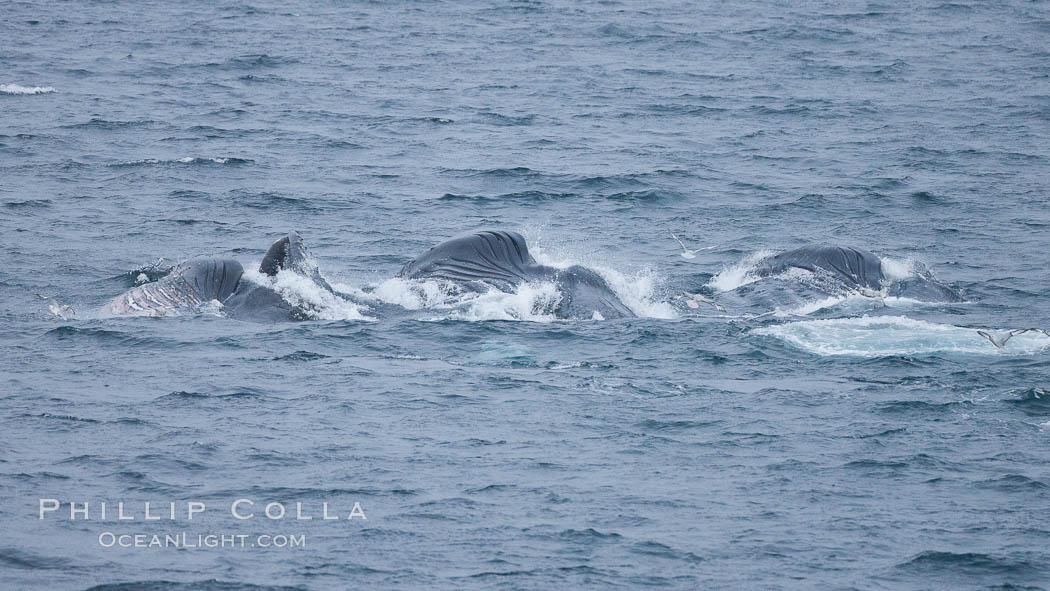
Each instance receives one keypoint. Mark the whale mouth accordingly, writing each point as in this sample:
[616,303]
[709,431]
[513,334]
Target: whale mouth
[289,253]
[276,256]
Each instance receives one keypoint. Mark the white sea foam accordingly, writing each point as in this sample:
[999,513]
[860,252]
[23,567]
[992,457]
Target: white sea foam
[212,307]
[183,160]
[898,269]
[498,351]
[18,89]
[315,301]
[533,302]
[855,303]
[879,336]
[816,306]
[416,295]
[739,274]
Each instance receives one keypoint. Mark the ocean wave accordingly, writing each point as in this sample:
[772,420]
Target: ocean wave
[301,356]
[269,200]
[1032,402]
[1013,483]
[20,559]
[650,549]
[971,563]
[112,125]
[910,407]
[883,336]
[650,195]
[319,492]
[105,338]
[192,397]
[210,585]
[185,160]
[521,172]
[19,89]
[29,204]
[626,185]
[499,119]
[534,196]
[528,196]
[62,418]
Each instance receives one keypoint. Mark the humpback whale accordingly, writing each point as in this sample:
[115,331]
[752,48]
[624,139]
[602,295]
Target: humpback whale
[501,260]
[192,284]
[817,275]
[859,270]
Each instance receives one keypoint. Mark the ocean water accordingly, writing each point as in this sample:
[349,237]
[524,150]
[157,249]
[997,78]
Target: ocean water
[854,442]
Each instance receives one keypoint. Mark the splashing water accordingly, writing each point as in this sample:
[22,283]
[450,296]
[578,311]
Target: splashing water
[414,294]
[638,292]
[317,302]
[18,89]
[898,269]
[533,302]
[739,274]
[636,289]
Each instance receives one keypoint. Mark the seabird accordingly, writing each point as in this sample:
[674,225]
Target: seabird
[58,309]
[1000,342]
[693,300]
[686,253]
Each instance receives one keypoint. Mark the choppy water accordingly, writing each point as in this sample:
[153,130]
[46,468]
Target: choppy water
[850,443]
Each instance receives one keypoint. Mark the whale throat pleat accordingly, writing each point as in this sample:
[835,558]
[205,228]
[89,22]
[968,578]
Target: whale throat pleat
[188,285]
[497,257]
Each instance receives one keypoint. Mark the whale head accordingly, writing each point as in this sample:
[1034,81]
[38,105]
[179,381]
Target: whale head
[290,253]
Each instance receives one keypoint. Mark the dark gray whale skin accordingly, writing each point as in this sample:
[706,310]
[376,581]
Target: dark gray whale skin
[501,260]
[859,268]
[194,283]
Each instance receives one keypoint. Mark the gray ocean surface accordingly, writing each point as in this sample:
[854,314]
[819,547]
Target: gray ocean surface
[857,443]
